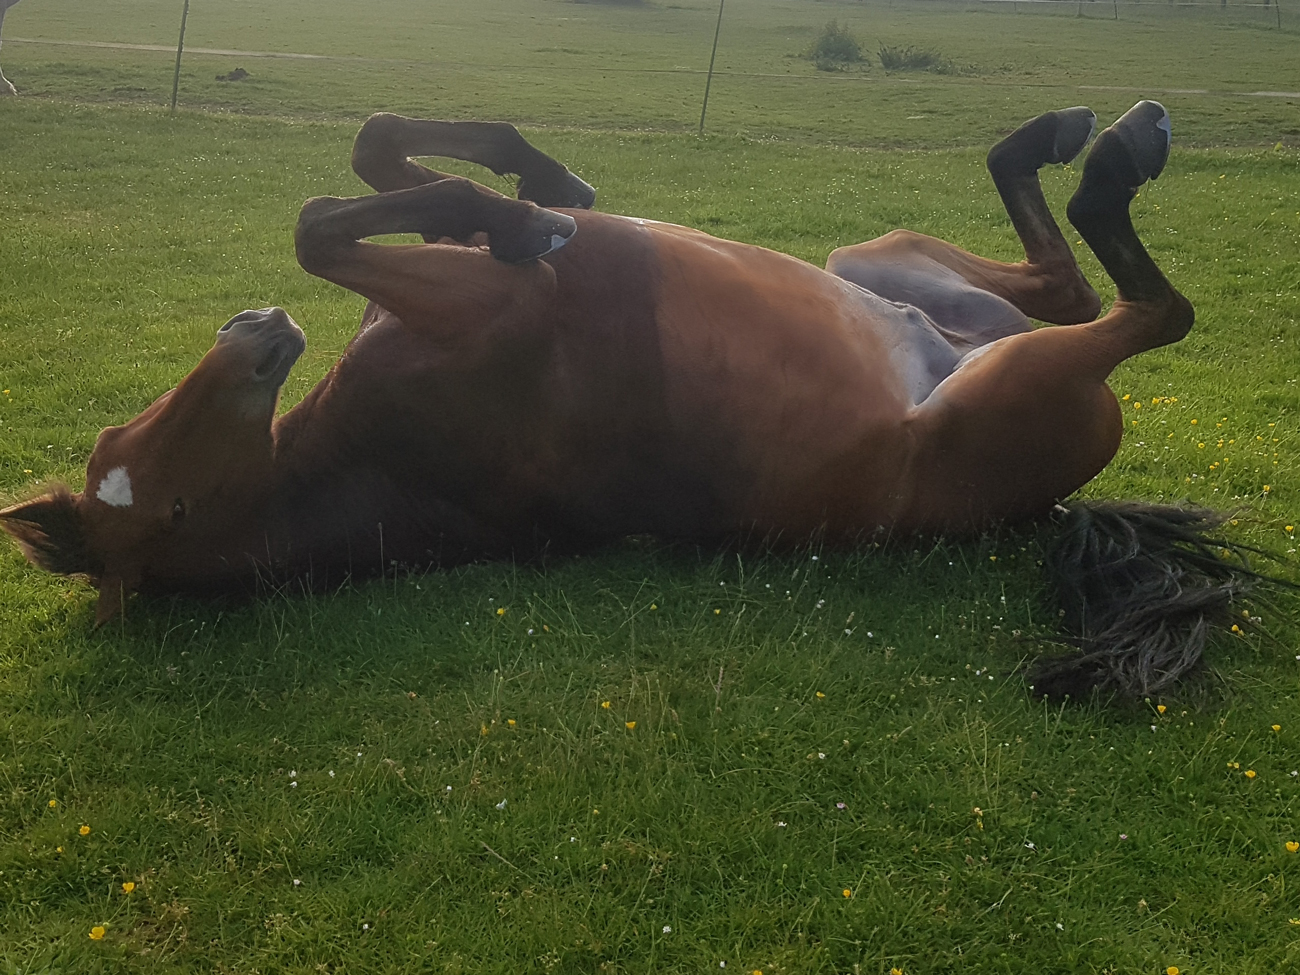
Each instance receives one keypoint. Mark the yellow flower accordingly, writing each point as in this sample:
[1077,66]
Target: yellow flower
[895,971]
[1277,727]
[656,605]
[501,611]
[58,849]
[128,887]
[510,721]
[1171,970]
[1236,628]
[1127,397]
[820,694]
[1193,423]
[717,612]
[97,933]
[53,803]
[605,705]
[1290,528]
[630,725]
[1250,773]
[84,831]
[1161,708]
[1292,846]
[846,892]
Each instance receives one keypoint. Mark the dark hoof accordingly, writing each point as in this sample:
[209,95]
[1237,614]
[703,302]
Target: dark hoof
[1053,137]
[561,189]
[1074,129]
[1146,132]
[538,234]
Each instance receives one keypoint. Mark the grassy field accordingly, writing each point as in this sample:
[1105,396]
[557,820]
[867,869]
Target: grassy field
[659,759]
[641,65]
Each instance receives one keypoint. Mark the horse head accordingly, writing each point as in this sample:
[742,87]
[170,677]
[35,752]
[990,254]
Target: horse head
[168,495]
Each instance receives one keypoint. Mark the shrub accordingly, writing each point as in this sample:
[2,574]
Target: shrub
[911,59]
[835,48]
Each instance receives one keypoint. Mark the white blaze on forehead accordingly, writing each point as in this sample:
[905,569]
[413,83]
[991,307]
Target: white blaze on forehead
[115,488]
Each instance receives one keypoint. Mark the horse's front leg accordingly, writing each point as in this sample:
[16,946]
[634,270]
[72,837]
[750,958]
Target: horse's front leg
[383,147]
[442,286]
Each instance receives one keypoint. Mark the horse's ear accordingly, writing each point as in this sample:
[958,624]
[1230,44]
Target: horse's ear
[49,531]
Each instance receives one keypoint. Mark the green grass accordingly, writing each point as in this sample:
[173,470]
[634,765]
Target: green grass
[130,236]
[556,62]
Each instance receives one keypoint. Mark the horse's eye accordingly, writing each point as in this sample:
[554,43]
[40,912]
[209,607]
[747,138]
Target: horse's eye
[178,510]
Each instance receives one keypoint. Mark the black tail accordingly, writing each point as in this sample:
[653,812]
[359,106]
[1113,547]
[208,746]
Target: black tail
[1140,585]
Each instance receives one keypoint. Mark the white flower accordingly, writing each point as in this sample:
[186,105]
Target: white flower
[781,823]
[501,804]
[331,773]
[821,754]
[668,929]
[297,882]
[293,773]
[1060,926]
[293,785]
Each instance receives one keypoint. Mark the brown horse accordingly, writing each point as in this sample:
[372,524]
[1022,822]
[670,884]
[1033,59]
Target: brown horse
[539,375]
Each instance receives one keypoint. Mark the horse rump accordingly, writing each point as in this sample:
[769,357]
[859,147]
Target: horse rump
[1139,586]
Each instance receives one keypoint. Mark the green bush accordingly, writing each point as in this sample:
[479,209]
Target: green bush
[911,59]
[835,49]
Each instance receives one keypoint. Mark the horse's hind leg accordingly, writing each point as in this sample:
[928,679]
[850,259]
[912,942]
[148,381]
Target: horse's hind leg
[1047,285]
[1031,420]
[382,150]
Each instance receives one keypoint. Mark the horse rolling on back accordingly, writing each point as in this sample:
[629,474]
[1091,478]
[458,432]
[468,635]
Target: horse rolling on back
[537,375]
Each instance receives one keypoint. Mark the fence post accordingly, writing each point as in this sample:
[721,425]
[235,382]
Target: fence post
[708,83]
[180,46]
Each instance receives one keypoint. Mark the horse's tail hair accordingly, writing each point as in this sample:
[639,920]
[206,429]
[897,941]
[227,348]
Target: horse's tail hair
[1139,587]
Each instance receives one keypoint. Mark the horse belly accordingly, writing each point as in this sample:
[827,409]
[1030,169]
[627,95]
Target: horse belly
[795,384]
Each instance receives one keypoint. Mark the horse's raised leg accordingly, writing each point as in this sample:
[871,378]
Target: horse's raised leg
[382,150]
[1029,420]
[420,283]
[973,297]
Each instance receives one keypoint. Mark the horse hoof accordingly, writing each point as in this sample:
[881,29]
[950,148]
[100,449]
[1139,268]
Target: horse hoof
[1074,129]
[543,232]
[1146,132]
[562,190]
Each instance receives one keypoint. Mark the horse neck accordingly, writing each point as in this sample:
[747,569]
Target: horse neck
[325,509]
